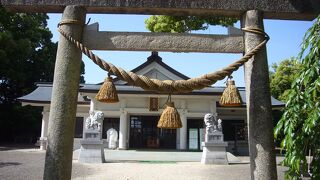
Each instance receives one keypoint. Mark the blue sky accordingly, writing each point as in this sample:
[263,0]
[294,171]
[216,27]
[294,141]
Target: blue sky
[286,37]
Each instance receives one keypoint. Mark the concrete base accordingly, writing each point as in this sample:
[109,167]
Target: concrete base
[43,143]
[214,153]
[91,151]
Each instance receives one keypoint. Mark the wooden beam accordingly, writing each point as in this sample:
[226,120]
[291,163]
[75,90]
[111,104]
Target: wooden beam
[168,42]
[273,9]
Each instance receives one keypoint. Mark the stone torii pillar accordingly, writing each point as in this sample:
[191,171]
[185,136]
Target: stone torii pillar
[62,118]
[260,124]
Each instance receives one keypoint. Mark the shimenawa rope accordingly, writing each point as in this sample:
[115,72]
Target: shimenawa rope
[166,86]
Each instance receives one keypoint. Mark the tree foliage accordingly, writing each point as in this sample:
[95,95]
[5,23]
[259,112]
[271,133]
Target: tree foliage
[300,122]
[27,55]
[25,47]
[282,76]
[180,24]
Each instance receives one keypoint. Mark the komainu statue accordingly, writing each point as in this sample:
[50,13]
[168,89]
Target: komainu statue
[213,147]
[93,122]
[212,124]
[92,147]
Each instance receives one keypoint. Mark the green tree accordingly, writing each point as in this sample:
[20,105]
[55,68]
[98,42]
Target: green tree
[180,24]
[300,122]
[282,76]
[27,55]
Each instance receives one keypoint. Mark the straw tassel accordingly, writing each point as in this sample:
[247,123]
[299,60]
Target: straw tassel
[230,96]
[107,92]
[170,118]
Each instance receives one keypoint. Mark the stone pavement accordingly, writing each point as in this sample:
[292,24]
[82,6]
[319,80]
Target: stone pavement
[25,164]
[153,155]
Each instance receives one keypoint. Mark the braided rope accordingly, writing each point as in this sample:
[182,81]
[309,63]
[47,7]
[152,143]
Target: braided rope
[167,86]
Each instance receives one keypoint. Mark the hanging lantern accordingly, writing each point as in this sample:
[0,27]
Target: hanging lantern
[170,118]
[230,95]
[107,92]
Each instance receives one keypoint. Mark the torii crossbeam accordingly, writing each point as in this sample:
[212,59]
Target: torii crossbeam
[273,9]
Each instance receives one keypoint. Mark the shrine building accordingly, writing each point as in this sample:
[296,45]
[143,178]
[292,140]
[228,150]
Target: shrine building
[135,117]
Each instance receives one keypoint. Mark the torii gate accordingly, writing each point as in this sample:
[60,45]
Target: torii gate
[67,70]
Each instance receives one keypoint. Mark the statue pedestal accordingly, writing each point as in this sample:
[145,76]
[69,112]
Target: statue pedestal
[43,143]
[92,150]
[214,148]
[214,152]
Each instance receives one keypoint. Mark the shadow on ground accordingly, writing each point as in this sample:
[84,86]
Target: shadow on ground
[14,146]
[4,164]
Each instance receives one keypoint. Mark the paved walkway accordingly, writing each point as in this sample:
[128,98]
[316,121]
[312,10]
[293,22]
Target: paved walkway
[151,155]
[25,164]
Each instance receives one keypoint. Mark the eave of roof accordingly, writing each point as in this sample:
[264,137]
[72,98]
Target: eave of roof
[43,93]
[125,89]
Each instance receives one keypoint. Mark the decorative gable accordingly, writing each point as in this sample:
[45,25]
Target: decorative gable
[156,69]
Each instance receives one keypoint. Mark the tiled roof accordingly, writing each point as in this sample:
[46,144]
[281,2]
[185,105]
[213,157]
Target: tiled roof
[43,93]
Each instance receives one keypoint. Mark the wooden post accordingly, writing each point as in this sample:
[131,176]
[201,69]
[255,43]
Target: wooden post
[58,164]
[260,124]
